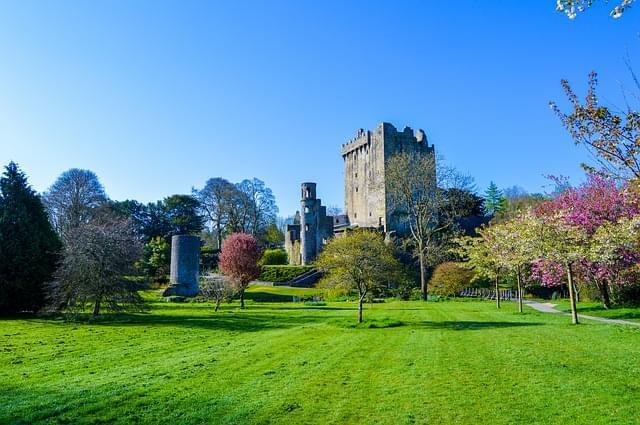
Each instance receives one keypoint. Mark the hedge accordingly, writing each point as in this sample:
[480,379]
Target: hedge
[282,273]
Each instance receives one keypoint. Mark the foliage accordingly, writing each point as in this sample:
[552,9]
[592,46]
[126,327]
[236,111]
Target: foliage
[183,215]
[73,200]
[494,200]
[273,236]
[156,258]
[215,203]
[29,247]
[613,140]
[279,273]
[239,261]
[261,208]
[571,8]
[208,258]
[359,260]
[450,278]
[272,257]
[99,257]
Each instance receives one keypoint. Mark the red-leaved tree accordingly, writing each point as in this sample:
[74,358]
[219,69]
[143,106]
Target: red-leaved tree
[239,261]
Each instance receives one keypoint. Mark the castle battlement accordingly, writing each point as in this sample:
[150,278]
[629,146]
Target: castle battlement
[387,131]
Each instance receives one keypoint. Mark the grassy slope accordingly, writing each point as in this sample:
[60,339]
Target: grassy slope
[451,362]
[593,308]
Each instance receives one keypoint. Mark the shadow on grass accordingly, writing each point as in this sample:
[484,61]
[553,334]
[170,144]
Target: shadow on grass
[463,325]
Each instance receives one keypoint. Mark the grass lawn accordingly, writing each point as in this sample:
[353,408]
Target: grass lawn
[590,308]
[446,362]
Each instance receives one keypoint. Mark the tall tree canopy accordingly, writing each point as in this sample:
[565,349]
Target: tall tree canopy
[73,199]
[29,247]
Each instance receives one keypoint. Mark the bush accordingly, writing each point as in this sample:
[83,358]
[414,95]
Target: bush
[449,279]
[272,257]
[208,258]
[282,273]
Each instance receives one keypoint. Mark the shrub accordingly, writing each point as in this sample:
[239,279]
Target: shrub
[208,258]
[450,278]
[282,273]
[272,257]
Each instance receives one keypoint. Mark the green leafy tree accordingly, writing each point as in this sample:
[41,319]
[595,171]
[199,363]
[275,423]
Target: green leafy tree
[478,254]
[450,278]
[29,247]
[360,261]
[274,257]
[494,201]
[183,215]
[273,236]
[156,258]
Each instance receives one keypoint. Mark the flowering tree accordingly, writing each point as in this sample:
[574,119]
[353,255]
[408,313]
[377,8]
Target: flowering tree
[571,8]
[480,255]
[597,202]
[239,261]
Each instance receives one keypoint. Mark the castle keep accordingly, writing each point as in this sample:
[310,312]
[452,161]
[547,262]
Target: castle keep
[367,201]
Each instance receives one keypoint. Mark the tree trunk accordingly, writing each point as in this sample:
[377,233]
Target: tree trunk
[96,307]
[360,301]
[604,292]
[519,290]
[217,305]
[497,292]
[572,296]
[423,280]
[242,299]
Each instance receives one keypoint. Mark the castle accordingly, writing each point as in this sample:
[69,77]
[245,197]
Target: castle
[366,198]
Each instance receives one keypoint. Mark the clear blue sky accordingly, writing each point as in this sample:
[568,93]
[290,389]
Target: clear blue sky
[156,97]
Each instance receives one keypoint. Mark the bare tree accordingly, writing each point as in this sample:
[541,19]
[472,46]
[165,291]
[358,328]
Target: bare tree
[262,207]
[215,201]
[216,288]
[72,200]
[98,258]
[420,190]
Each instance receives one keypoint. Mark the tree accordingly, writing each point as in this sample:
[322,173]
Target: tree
[359,260]
[262,209]
[182,212]
[613,140]
[216,288]
[417,189]
[216,199]
[494,201]
[156,258]
[450,278]
[99,257]
[479,255]
[239,261]
[571,8]
[29,247]
[72,200]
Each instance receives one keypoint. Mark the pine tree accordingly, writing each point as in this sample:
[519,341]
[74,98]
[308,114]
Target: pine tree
[29,247]
[494,200]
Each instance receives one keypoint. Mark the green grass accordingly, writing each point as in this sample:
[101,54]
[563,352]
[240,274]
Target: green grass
[593,308]
[411,362]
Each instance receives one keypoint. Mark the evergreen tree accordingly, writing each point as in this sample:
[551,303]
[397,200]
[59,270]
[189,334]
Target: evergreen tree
[494,201]
[29,247]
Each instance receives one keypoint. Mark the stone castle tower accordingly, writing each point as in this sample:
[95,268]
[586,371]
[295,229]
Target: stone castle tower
[366,196]
[366,199]
[311,229]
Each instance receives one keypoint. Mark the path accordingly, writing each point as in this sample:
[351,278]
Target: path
[549,308]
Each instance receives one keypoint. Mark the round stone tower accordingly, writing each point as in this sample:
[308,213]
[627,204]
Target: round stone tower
[185,266]
[308,223]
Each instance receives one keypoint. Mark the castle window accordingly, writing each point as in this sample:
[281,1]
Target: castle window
[306,227]
[306,209]
[356,189]
[369,213]
[355,215]
[356,174]
[308,193]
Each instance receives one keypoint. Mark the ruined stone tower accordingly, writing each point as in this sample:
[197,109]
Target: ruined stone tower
[367,202]
[304,239]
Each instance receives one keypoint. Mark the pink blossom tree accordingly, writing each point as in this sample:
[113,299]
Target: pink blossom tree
[597,202]
[239,261]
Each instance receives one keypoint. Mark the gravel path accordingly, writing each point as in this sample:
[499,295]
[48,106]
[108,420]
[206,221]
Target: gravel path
[549,308]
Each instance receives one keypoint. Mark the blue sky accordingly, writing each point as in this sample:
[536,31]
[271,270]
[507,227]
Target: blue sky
[156,97]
